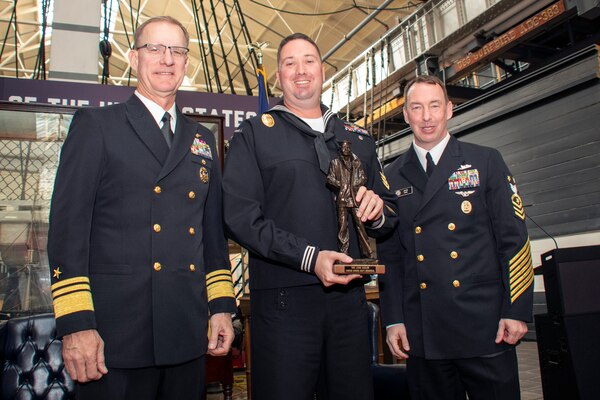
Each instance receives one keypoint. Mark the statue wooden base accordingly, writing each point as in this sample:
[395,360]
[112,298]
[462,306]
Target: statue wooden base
[361,266]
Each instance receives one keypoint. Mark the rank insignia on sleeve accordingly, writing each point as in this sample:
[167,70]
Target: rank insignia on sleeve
[201,148]
[56,273]
[268,120]
[515,198]
[404,191]
[518,206]
[463,179]
[384,180]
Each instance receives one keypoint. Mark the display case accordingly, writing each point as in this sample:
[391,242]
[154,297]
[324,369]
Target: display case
[31,136]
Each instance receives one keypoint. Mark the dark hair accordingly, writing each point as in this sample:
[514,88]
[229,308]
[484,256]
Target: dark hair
[430,80]
[163,18]
[296,36]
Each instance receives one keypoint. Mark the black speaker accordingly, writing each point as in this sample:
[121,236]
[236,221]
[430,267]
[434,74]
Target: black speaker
[571,280]
[569,350]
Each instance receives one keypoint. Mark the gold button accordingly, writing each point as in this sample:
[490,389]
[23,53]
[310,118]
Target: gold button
[203,162]
[418,230]
[191,194]
[192,231]
[456,283]
[423,285]
[157,266]
[454,255]
[420,257]
[156,228]
[157,189]
[192,267]
[451,226]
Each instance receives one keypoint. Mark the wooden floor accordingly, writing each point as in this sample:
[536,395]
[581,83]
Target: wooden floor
[529,374]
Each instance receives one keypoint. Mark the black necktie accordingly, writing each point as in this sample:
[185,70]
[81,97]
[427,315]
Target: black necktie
[430,164]
[322,152]
[166,129]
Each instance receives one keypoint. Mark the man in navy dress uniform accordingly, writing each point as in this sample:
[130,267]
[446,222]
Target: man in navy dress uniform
[136,244]
[459,283]
[307,322]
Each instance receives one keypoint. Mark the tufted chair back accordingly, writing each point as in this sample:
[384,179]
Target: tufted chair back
[33,367]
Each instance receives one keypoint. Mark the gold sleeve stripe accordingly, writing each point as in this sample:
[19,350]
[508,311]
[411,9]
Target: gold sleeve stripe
[220,289]
[219,284]
[517,268]
[70,289]
[70,281]
[514,295]
[523,254]
[521,272]
[217,275]
[72,303]
[516,282]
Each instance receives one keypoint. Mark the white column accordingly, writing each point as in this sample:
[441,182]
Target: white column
[74,54]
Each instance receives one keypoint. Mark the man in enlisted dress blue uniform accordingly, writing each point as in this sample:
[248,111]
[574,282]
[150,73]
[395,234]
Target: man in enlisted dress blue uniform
[309,325]
[136,242]
[459,282]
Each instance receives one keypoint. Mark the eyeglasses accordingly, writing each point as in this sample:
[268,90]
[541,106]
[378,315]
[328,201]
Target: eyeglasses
[158,50]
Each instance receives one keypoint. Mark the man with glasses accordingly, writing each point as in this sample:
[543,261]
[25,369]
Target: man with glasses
[136,245]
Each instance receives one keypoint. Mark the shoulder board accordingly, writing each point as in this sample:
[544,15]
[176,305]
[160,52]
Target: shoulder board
[356,129]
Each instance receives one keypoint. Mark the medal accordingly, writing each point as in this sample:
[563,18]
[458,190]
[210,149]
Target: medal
[204,175]
[466,207]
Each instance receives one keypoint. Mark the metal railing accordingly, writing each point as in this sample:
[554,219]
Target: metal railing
[401,47]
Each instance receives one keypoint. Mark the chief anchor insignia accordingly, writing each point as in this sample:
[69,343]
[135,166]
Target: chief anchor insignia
[346,175]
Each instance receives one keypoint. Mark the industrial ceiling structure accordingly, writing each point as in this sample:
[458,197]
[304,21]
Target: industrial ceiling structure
[221,31]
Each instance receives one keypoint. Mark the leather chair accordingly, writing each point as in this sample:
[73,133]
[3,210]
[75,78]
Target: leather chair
[389,380]
[32,365]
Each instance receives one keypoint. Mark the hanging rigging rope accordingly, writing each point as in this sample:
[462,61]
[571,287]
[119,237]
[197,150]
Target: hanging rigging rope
[105,46]
[13,17]
[349,93]
[40,61]
[234,38]
[374,83]
[218,32]
[211,51]
[366,87]
[333,89]
[201,50]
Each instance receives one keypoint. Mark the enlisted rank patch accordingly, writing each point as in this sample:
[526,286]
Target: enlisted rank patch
[56,273]
[404,191]
[384,180]
[201,148]
[268,120]
[356,129]
[463,179]
[518,206]
[204,175]
[515,198]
